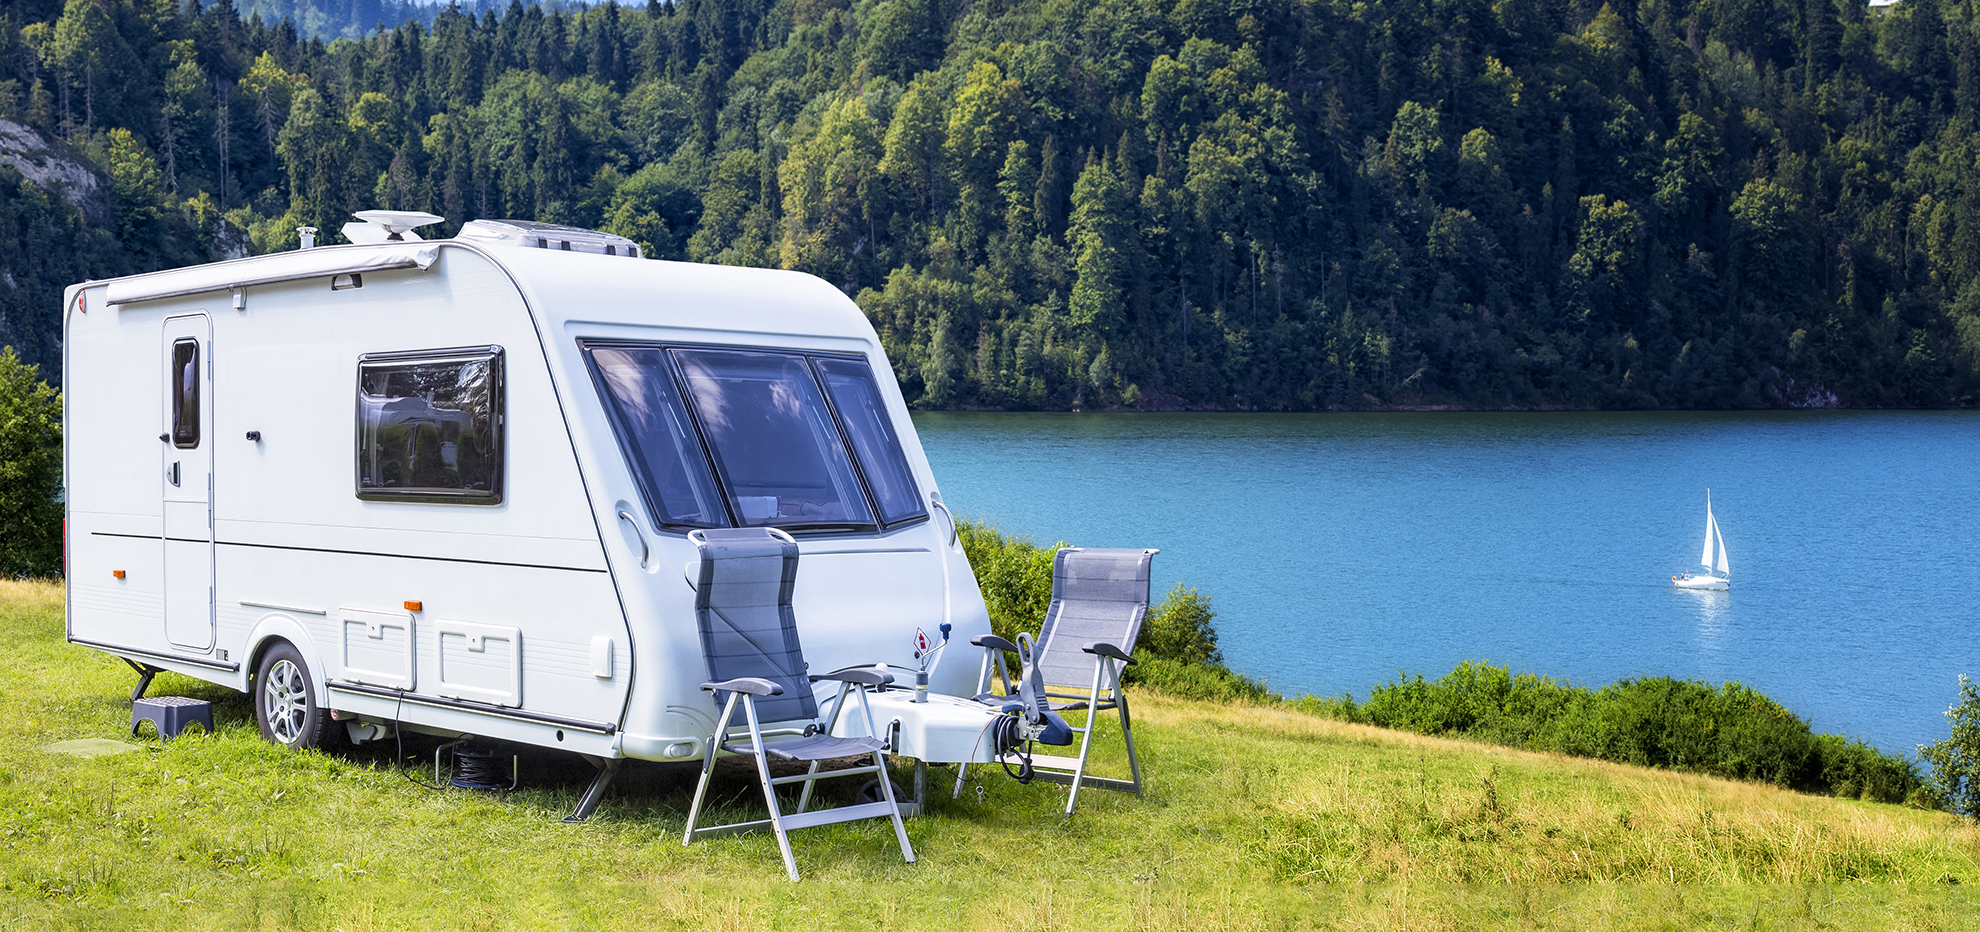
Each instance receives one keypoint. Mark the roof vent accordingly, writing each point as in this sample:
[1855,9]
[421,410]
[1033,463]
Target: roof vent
[532,235]
[387,226]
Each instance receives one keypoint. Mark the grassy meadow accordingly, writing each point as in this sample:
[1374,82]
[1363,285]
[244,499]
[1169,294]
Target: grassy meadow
[1256,817]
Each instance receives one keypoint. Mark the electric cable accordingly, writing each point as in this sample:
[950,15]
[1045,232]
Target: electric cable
[399,744]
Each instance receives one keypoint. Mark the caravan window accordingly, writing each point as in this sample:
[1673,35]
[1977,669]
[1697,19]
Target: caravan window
[185,394]
[773,440]
[721,437]
[857,396]
[430,426]
[638,387]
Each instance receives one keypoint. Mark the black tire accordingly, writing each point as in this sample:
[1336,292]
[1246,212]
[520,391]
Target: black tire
[869,792]
[284,698]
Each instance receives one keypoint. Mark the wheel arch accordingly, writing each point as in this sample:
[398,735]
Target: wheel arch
[277,628]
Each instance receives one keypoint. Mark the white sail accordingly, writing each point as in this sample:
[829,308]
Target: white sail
[1711,531]
[1724,568]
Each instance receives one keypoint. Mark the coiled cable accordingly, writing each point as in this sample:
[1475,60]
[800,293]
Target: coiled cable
[482,770]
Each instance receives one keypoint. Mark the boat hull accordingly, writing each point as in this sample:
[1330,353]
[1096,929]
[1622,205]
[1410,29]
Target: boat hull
[1699,582]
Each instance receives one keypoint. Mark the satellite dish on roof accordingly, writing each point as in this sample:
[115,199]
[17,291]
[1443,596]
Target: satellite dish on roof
[387,226]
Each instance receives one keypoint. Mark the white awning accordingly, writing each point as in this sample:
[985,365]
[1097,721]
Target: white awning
[279,267]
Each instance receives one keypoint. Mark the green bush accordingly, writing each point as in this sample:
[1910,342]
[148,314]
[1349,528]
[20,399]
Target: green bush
[1956,760]
[30,471]
[1182,628]
[1014,574]
[1728,731]
[1205,682]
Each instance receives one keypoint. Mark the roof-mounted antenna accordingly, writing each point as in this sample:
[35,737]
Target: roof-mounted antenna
[387,226]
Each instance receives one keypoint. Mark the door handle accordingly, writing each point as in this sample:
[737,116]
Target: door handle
[172,475]
[645,553]
[955,532]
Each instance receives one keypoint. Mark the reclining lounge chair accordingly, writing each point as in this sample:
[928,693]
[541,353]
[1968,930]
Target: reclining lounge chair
[749,636]
[1099,600]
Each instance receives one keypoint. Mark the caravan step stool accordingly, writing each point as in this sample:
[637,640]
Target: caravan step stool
[171,714]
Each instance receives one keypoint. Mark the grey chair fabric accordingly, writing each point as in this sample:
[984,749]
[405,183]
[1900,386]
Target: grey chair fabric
[756,666]
[1099,597]
[742,604]
[813,748]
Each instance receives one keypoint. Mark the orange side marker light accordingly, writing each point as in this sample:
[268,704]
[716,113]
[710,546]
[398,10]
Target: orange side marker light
[117,573]
[412,606]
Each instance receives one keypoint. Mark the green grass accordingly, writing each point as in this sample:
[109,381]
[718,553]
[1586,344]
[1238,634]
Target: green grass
[1256,817]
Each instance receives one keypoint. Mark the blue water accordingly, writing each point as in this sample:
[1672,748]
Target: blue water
[1339,549]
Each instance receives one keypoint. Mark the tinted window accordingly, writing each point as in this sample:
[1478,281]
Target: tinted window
[653,428]
[430,426]
[857,396]
[185,394]
[775,445]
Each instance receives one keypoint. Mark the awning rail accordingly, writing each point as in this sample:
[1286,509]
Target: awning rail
[266,270]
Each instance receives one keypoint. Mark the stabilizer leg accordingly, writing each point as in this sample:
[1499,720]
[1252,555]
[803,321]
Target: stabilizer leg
[145,672]
[595,793]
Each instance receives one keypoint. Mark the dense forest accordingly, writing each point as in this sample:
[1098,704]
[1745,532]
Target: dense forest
[1239,204]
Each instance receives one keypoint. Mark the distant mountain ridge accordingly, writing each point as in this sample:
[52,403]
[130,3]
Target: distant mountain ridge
[353,19]
[337,19]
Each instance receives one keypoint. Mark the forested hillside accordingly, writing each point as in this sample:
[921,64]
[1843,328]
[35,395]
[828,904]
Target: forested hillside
[1273,204]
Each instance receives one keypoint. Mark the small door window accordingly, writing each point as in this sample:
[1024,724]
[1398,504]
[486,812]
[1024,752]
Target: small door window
[430,426]
[185,394]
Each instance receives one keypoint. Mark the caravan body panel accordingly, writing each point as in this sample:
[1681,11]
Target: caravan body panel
[553,608]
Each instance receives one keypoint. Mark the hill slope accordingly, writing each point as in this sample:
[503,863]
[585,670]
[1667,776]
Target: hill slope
[1289,204]
[1254,818]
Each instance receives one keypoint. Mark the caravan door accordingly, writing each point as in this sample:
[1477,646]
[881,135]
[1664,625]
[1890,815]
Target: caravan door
[188,481]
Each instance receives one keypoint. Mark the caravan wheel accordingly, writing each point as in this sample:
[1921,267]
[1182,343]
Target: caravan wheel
[285,701]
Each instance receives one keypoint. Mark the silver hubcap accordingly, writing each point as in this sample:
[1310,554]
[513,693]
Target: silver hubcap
[284,701]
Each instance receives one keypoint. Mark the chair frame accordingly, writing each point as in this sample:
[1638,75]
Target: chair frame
[813,742]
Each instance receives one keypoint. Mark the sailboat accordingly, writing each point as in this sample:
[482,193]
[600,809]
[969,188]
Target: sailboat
[1717,574]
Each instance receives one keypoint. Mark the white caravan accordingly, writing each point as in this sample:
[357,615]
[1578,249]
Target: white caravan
[447,485]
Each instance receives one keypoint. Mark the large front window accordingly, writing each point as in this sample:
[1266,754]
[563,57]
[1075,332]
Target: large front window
[720,437]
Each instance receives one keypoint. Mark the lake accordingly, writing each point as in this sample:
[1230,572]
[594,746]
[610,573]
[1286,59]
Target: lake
[1339,549]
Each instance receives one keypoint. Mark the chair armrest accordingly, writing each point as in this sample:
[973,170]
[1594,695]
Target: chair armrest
[864,676]
[991,640]
[1108,650]
[755,686]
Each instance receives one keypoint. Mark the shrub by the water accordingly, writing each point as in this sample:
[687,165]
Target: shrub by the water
[1014,574]
[30,471]
[1182,628]
[1727,731]
[1956,759]
[1178,653]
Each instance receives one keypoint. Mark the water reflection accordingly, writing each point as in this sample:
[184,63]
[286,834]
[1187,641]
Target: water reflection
[1713,610]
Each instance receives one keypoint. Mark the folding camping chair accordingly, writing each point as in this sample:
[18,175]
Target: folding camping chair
[749,635]
[1099,600]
